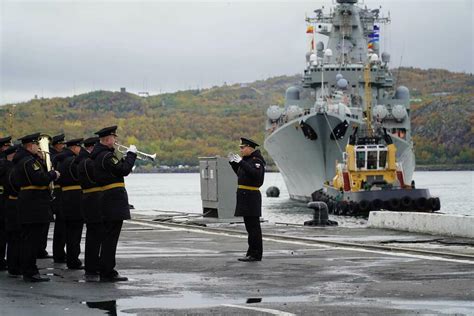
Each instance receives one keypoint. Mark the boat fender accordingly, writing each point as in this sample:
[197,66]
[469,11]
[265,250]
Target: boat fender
[421,203]
[394,204]
[438,204]
[364,206]
[339,131]
[431,204]
[377,204]
[308,131]
[273,192]
[406,203]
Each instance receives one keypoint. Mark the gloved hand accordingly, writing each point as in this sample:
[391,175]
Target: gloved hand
[132,149]
[230,156]
[54,174]
[236,158]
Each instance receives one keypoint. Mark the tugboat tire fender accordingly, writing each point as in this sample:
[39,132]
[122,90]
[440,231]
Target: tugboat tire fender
[364,206]
[377,204]
[406,203]
[421,203]
[394,204]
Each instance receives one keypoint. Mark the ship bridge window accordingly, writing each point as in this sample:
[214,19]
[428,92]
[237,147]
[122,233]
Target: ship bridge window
[360,159]
[372,159]
[382,158]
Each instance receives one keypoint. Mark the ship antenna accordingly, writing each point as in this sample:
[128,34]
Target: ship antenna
[397,81]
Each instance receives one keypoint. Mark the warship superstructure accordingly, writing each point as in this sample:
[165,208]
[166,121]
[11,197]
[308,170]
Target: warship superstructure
[307,137]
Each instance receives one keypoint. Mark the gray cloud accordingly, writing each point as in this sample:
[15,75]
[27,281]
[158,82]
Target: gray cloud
[60,48]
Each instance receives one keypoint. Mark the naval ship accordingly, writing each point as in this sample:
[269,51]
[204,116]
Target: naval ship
[307,137]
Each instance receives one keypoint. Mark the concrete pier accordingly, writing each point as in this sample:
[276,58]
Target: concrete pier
[430,223]
[176,269]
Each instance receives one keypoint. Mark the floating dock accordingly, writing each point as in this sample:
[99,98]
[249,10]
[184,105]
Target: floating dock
[176,267]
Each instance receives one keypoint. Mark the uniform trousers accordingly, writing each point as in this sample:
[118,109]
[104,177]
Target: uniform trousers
[109,247]
[94,236]
[252,225]
[3,244]
[73,242]
[13,251]
[42,252]
[30,243]
[59,238]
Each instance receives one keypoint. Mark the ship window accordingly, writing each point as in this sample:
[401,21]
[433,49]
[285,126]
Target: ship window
[382,158]
[360,158]
[372,159]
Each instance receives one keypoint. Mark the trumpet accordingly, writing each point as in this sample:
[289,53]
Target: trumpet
[140,155]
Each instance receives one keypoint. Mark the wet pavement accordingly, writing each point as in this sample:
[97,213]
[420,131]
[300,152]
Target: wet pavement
[176,270]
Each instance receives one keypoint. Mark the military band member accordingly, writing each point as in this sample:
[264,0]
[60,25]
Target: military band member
[250,170]
[12,216]
[91,211]
[34,203]
[59,235]
[71,192]
[109,172]
[5,142]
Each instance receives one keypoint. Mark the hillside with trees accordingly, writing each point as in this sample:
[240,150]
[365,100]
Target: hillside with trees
[184,125]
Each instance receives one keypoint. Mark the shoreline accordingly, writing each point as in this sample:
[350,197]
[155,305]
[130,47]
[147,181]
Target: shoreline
[195,169]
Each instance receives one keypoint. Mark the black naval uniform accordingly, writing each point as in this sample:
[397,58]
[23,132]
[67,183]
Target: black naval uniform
[34,206]
[71,206]
[91,207]
[109,172]
[59,234]
[250,173]
[3,234]
[12,217]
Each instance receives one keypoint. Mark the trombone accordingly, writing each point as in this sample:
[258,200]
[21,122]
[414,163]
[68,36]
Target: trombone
[140,155]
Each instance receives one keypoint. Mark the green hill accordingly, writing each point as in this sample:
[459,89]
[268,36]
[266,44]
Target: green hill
[184,125]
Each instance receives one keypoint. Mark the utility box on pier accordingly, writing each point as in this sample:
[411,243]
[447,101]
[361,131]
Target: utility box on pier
[218,187]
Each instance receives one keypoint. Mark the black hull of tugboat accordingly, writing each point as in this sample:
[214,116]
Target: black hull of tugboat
[362,202]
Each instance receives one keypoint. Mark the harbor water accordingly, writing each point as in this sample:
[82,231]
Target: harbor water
[181,192]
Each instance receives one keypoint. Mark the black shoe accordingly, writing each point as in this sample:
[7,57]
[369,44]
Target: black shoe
[60,260]
[35,278]
[3,265]
[91,277]
[76,267]
[44,255]
[14,273]
[249,259]
[113,278]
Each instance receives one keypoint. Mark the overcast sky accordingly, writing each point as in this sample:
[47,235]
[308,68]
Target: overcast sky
[62,48]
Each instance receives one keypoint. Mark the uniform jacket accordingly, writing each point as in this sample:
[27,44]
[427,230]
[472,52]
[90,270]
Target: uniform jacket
[91,206]
[56,203]
[67,163]
[2,189]
[109,170]
[250,172]
[10,189]
[29,170]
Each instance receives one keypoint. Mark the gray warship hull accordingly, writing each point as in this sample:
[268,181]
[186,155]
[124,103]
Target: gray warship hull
[347,83]
[306,165]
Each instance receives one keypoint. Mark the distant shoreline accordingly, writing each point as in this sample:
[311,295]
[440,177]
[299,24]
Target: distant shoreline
[195,169]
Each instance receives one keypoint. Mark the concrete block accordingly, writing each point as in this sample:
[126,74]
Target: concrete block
[428,223]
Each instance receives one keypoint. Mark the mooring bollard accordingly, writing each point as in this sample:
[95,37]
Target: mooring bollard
[320,216]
